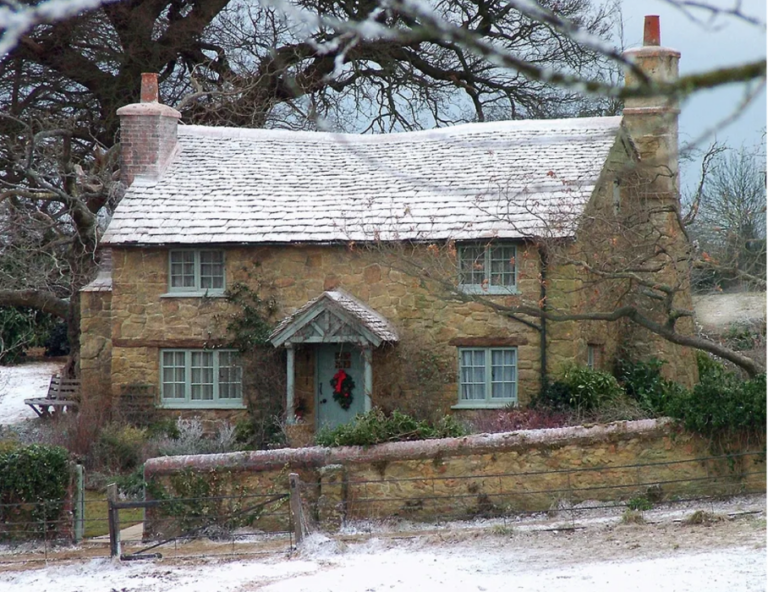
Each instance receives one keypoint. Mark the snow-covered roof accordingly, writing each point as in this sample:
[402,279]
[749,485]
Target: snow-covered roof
[368,324]
[506,179]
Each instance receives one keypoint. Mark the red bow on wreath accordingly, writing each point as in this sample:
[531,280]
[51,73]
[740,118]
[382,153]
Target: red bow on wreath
[342,384]
[339,379]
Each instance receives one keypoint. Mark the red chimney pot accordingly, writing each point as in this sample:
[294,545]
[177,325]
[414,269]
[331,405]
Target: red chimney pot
[149,92]
[652,31]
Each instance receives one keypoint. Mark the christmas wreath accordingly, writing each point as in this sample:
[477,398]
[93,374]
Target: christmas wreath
[342,384]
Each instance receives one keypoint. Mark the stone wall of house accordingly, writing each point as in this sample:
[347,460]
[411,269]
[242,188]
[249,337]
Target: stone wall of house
[418,374]
[483,474]
[96,345]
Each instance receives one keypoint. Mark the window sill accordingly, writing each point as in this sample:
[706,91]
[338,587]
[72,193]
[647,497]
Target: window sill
[205,294]
[489,290]
[483,405]
[199,405]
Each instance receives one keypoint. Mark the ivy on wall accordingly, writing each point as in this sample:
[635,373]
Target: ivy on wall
[250,326]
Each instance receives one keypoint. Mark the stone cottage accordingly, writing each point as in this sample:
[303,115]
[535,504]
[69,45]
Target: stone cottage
[380,259]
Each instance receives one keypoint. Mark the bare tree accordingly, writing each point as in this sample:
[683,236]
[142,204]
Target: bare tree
[375,66]
[621,268]
[234,63]
[728,220]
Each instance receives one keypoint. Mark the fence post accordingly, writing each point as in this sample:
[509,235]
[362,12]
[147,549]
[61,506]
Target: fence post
[295,503]
[79,503]
[114,521]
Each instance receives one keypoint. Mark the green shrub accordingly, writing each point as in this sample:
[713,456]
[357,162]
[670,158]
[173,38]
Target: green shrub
[742,337]
[36,476]
[163,428]
[375,427]
[589,389]
[640,504]
[644,383]
[119,448]
[245,432]
[56,343]
[721,404]
[555,395]
[131,485]
[22,327]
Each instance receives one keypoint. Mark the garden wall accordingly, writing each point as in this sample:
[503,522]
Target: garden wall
[486,474]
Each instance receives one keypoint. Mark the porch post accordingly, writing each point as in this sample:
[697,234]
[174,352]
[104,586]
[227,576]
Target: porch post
[290,380]
[368,357]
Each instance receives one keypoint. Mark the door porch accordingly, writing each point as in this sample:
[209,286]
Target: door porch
[339,328]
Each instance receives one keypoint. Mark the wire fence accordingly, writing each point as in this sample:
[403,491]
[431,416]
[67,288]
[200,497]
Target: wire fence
[442,497]
[183,527]
[252,523]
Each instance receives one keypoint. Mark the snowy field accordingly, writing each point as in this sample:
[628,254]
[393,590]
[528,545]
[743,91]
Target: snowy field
[25,381]
[599,555]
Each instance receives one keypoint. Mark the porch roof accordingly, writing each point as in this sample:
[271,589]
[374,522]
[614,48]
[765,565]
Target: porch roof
[334,317]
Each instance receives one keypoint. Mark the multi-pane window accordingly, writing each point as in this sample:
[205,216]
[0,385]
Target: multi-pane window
[489,268]
[201,378]
[487,376]
[197,271]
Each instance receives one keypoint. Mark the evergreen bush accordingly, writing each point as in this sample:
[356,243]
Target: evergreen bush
[721,404]
[32,489]
[375,427]
[643,382]
[590,389]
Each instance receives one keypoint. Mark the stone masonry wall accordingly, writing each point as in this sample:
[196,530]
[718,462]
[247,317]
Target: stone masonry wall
[96,348]
[482,475]
[417,375]
[146,320]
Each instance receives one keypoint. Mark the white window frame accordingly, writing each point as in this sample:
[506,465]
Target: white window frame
[187,402]
[488,402]
[486,287]
[197,289]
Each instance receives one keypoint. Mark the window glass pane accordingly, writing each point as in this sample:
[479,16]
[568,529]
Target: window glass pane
[201,378]
[173,375]
[182,269]
[502,266]
[212,270]
[472,374]
[592,357]
[472,265]
[503,374]
[502,391]
[230,376]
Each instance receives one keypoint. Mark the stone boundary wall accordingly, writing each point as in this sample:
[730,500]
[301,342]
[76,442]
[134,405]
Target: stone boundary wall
[485,474]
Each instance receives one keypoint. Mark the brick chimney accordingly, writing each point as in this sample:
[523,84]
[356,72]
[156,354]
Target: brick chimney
[652,121]
[147,134]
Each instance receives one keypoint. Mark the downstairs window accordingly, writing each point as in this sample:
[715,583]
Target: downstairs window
[199,378]
[487,377]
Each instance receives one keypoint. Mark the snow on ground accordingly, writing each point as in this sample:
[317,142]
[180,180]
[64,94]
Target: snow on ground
[24,381]
[717,312]
[727,555]
[103,575]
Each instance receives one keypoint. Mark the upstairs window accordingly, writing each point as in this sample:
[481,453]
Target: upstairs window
[196,272]
[488,269]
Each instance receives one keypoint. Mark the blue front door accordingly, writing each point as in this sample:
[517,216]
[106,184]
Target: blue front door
[337,362]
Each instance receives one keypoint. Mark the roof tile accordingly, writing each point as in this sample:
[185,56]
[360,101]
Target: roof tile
[509,179]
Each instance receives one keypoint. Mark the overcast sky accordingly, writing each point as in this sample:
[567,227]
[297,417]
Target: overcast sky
[726,42]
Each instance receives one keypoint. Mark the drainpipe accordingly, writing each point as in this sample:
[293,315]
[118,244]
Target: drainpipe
[543,261]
